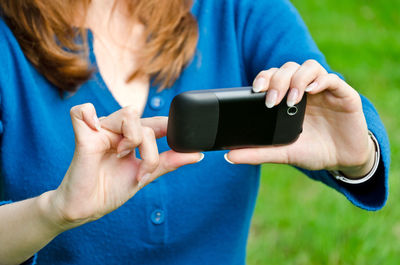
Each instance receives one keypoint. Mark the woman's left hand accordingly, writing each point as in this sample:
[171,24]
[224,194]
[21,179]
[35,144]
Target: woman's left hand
[335,134]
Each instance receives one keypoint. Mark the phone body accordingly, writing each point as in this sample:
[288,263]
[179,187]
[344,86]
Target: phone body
[219,119]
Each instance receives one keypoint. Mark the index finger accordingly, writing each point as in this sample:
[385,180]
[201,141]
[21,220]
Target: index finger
[159,125]
[117,122]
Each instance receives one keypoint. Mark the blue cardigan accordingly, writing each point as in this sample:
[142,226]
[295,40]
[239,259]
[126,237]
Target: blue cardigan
[199,214]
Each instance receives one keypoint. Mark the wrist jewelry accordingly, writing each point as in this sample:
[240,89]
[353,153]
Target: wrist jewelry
[340,176]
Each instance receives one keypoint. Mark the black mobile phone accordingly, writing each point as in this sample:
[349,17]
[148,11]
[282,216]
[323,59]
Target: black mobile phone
[219,119]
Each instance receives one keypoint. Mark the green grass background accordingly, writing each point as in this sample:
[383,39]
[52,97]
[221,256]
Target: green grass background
[299,221]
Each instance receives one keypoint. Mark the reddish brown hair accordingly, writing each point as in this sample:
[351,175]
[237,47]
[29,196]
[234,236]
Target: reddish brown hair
[43,29]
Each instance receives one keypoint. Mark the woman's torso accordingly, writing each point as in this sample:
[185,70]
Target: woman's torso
[195,215]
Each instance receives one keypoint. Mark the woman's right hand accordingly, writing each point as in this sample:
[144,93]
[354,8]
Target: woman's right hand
[105,173]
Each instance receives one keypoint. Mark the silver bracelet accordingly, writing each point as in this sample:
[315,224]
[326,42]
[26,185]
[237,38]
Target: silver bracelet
[339,175]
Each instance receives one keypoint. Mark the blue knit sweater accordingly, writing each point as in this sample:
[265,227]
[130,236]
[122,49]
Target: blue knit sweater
[199,214]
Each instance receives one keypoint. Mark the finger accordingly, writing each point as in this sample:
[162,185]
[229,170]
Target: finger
[148,152]
[125,122]
[259,155]
[170,161]
[303,77]
[333,84]
[280,83]
[261,82]
[84,117]
[158,124]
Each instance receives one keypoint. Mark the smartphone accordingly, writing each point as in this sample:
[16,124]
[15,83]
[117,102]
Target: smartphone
[230,118]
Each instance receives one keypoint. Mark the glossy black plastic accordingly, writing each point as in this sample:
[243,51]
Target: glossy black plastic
[230,118]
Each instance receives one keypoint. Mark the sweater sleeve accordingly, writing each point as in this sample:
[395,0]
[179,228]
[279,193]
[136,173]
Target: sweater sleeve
[272,34]
[4,67]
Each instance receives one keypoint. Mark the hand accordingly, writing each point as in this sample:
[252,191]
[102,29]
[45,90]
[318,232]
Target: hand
[335,134]
[105,172]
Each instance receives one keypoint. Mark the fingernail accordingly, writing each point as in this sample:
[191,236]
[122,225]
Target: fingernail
[227,160]
[311,87]
[259,84]
[201,157]
[124,145]
[292,97]
[143,181]
[124,153]
[272,96]
[96,123]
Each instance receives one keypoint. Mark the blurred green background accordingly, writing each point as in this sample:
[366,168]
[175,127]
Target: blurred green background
[299,221]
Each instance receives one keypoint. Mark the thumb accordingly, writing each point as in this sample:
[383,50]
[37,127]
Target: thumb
[170,161]
[259,155]
[84,119]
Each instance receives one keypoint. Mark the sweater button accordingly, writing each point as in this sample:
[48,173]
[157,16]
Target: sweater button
[156,102]
[157,217]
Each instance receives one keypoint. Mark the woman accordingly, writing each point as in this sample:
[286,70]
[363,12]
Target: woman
[198,213]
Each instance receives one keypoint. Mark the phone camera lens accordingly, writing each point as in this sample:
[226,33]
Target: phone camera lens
[292,111]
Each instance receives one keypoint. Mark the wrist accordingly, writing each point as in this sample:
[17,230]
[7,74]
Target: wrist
[52,214]
[361,170]
[365,177]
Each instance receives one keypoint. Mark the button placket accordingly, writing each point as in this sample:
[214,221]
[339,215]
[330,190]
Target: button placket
[156,213]
[156,194]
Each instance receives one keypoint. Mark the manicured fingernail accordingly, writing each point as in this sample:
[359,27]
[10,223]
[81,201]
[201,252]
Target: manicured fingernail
[143,181]
[311,87]
[227,159]
[292,97]
[259,84]
[96,123]
[201,157]
[272,96]
[124,153]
